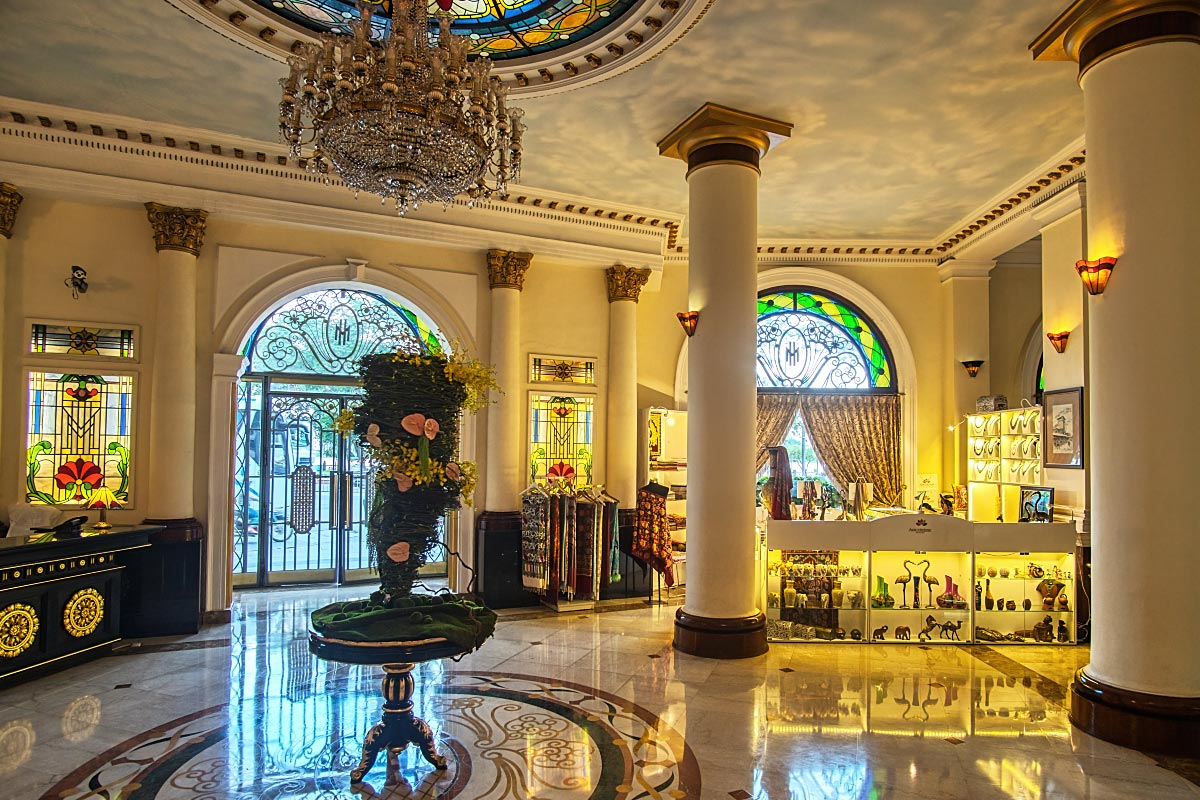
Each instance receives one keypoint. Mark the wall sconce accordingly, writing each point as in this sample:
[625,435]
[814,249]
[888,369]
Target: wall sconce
[1095,274]
[972,367]
[689,320]
[1059,340]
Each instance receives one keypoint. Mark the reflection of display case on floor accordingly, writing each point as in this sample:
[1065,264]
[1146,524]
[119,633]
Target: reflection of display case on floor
[919,567]
[912,578]
[1026,580]
[815,593]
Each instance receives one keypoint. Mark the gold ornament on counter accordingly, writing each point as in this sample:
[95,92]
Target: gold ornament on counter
[18,628]
[83,613]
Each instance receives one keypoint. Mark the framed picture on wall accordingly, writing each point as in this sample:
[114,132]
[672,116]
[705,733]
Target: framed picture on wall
[1062,428]
[1037,504]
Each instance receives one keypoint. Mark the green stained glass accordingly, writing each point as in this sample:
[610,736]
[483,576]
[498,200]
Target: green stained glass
[809,339]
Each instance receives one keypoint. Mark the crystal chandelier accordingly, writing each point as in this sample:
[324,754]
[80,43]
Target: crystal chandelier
[405,117]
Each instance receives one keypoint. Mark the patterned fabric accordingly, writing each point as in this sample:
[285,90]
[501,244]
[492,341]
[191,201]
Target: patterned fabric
[612,542]
[857,435]
[535,527]
[775,416]
[651,536]
[780,498]
[587,527]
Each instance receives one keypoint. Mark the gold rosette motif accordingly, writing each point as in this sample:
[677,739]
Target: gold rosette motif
[83,613]
[18,628]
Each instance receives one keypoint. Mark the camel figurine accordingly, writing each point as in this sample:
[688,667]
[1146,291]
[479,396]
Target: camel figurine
[952,629]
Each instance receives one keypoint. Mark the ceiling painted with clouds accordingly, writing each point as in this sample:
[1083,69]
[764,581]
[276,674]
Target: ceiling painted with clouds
[908,113]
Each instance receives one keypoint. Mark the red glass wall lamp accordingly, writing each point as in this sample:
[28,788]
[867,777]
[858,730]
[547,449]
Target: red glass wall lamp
[689,320]
[1095,274]
[1059,340]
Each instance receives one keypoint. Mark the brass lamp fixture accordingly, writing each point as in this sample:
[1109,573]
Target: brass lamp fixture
[1059,340]
[1095,274]
[689,320]
[103,499]
[972,367]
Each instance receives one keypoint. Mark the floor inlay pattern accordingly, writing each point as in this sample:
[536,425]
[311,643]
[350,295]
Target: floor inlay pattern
[531,737]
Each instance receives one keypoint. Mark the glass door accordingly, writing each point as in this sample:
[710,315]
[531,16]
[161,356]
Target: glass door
[302,491]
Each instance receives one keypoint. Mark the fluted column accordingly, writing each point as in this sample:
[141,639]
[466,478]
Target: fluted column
[505,454]
[624,286]
[722,148]
[10,203]
[178,236]
[1140,74]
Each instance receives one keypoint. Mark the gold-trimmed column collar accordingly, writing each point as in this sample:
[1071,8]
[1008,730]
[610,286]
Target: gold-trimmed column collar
[1089,31]
[10,201]
[177,228]
[713,124]
[506,269]
[625,283]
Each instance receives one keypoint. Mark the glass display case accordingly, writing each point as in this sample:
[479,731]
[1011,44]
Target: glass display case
[813,592]
[1004,457]
[920,579]
[1025,584]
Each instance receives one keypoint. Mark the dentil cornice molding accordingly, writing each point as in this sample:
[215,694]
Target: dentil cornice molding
[625,283]
[641,35]
[109,158]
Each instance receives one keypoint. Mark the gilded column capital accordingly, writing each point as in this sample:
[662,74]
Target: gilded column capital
[1089,31]
[507,269]
[625,283]
[10,201]
[177,228]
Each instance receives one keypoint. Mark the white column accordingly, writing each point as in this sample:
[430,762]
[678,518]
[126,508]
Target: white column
[1142,110]
[1140,74]
[624,286]
[722,148]
[219,566]
[178,236]
[505,472]
[10,202]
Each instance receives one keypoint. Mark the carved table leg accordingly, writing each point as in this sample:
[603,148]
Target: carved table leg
[399,726]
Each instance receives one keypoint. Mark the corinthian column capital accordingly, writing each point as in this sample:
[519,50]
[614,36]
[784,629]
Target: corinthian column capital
[507,269]
[10,201]
[625,283]
[177,228]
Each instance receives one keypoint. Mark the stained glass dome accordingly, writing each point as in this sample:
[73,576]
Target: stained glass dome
[498,28]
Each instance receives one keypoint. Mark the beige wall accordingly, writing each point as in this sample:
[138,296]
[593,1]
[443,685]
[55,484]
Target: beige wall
[660,337]
[1016,310]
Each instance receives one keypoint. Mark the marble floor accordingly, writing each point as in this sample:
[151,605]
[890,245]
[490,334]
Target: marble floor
[584,705]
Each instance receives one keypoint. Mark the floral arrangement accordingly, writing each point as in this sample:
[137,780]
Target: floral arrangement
[409,423]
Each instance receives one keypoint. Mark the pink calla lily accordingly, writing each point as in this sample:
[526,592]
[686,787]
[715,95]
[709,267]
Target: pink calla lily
[420,425]
[453,472]
[403,482]
[372,436]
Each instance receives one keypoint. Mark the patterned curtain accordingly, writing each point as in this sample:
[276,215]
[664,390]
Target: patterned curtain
[776,413]
[856,435]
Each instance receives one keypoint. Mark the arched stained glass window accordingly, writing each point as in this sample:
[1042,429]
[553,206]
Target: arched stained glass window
[810,339]
[327,331]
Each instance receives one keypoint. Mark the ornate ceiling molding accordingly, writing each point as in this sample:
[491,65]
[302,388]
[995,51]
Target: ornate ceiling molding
[640,35]
[229,174]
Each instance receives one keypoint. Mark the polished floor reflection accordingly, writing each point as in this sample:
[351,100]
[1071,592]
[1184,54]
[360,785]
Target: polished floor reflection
[583,705]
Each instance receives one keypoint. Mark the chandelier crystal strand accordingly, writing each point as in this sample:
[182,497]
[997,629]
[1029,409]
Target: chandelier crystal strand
[407,117]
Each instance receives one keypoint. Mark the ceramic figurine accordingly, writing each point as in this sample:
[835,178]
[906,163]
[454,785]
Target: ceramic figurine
[824,600]
[772,599]
[856,634]
[930,624]
[1062,602]
[1010,605]
[1064,635]
[1049,590]
[878,633]
[855,597]
[1004,572]
[1044,630]
[991,572]
[903,633]
[978,596]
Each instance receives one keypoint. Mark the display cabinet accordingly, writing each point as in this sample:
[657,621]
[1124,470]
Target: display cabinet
[921,579]
[920,568]
[1004,456]
[1025,584]
[814,592]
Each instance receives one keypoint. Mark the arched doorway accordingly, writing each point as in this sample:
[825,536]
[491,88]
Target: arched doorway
[302,492]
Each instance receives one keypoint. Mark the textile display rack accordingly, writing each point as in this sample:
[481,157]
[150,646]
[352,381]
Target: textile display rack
[652,538]
[569,544]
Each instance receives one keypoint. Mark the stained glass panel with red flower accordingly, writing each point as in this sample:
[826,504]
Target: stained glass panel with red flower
[560,437]
[79,437]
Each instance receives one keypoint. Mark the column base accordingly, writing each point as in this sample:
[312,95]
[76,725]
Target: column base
[719,637]
[1149,722]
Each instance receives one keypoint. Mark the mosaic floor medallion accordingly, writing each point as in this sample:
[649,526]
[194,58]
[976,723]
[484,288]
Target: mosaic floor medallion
[505,736]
